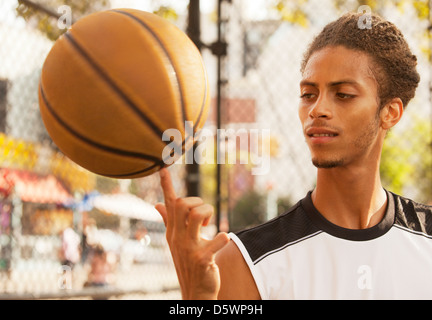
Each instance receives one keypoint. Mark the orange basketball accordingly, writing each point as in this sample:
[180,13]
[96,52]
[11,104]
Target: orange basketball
[112,85]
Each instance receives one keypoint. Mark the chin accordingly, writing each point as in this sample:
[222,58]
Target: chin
[327,164]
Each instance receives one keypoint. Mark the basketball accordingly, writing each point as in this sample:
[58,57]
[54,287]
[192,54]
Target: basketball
[114,83]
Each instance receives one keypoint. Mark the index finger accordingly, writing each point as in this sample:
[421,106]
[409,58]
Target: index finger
[167,187]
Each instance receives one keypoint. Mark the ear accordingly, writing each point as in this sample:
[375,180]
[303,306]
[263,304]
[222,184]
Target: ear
[391,113]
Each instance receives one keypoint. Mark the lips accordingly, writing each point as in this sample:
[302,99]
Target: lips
[321,135]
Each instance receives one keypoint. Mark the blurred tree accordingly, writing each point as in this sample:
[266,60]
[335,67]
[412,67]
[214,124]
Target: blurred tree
[284,204]
[296,12]
[422,158]
[44,14]
[406,162]
[396,169]
[250,210]
[166,13]
[292,11]
[421,8]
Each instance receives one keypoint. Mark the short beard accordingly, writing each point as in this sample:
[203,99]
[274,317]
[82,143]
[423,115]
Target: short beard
[362,143]
[329,164]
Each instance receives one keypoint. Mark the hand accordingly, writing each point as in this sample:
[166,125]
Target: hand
[193,256]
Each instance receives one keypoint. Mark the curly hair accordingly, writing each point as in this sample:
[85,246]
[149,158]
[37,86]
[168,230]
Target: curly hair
[394,65]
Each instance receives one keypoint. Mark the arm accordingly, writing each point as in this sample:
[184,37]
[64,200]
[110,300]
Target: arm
[236,279]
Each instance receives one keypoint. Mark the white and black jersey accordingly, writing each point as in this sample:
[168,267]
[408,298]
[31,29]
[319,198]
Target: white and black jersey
[301,255]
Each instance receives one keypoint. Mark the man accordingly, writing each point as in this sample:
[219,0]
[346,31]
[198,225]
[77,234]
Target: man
[349,238]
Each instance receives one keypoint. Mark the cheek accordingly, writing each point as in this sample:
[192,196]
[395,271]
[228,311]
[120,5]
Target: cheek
[361,113]
[364,126]
[302,114]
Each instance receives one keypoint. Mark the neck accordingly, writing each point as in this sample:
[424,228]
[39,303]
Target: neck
[350,197]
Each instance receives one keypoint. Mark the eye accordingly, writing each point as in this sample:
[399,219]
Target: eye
[345,96]
[307,96]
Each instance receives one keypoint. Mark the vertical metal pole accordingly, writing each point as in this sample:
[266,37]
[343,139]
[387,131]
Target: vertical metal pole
[218,49]
[194,32]
[218,121]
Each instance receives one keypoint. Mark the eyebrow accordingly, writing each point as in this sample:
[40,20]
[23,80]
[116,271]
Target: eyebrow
[330,84]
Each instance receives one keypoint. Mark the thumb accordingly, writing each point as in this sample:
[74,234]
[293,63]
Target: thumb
[218,242]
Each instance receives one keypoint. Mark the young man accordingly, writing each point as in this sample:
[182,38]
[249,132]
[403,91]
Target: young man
[349,238]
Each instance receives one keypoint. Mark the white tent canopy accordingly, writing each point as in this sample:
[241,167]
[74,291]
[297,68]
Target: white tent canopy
[127,205]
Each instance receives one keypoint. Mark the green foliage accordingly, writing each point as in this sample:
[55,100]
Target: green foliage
[422,158]
[166,13]
[292,11]
[396,169]
[284,204]
[421,6]
[249,211]
[47,24]
[406,161]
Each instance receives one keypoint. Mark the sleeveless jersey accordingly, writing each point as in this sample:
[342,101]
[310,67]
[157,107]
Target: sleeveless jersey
[302,255]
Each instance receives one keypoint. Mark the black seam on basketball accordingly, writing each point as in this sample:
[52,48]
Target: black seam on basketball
[112,84]
[183,107]
[195,126]
[89,141]
[159,164]
[162,45]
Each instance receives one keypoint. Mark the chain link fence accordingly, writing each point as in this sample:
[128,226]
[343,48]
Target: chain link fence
[266,42]
[60,224]
[255,141]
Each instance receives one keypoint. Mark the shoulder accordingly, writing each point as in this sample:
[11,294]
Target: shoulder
[413,216]
[236,259]
[237,282]
[289,228]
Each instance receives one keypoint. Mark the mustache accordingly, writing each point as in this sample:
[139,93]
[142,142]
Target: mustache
[322,124]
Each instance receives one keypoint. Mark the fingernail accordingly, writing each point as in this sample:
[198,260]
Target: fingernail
[162,173]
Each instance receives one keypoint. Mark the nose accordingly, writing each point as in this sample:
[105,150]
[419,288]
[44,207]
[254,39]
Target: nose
[320,109]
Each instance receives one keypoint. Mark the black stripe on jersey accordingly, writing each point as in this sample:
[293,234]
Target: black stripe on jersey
[352,234]
[413,216]
[304,221]
[289,228]
[286,245]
